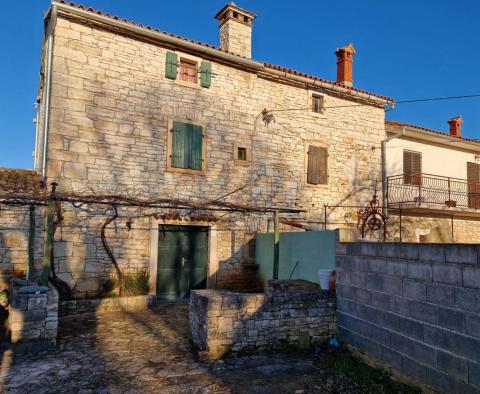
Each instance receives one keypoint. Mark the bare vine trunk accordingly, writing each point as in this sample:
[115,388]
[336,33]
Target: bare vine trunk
[107,246]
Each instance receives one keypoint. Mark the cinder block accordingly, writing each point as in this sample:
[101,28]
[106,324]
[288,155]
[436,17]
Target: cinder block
[381,300]
[471,277]
[386,249]
[447,274]
[461,253]
[474,374]
[440,295]
[414,349]
[414,289]
[400,305]
[384,283]
[439,380]
[423,311]
[452,319]
[467,299]
[431,253]
[452,365]
[414,369]
[473,324]
[392,357]
[421,271]
[407,251]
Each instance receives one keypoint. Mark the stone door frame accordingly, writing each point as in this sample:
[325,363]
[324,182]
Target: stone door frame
[212,264]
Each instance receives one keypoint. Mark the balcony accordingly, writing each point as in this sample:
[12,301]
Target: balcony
[421,190]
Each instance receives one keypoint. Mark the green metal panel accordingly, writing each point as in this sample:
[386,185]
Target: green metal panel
[206,74]
[311,249]
[171,65]
[182,260]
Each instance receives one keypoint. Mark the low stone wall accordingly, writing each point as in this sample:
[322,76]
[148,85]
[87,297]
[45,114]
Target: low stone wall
[33,316]
[105,305]
[294,313]
[416,307]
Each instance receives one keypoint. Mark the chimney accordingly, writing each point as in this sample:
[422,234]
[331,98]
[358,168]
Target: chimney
[345,64]
[236,30]
[456,126]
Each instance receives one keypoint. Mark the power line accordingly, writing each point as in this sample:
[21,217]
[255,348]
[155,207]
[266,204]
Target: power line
[396,103]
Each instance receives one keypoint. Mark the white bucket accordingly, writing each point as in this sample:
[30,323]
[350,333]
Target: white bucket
[324,275]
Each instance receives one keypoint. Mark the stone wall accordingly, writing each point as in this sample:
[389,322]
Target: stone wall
[295,313]
[414,306]
[105,305]
[33,316]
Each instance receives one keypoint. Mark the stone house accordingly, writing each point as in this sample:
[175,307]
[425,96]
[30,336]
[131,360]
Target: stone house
[128,108]
[433,183]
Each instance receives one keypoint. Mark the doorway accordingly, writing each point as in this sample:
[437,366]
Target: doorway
[182,260]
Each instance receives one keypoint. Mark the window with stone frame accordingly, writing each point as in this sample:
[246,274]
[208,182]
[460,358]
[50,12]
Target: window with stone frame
[317,104]
[317,165]
[187,148]
[188,70]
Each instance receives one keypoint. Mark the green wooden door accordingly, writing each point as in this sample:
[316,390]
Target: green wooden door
[182,260]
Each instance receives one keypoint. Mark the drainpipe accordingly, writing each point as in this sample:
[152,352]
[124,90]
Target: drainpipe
[384,168]
[37,125]
[46,119]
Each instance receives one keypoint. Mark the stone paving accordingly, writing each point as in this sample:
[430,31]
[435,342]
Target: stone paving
[149,351]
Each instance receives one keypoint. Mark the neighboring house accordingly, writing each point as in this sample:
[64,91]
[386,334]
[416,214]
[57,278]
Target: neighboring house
[433,181]
[125,108]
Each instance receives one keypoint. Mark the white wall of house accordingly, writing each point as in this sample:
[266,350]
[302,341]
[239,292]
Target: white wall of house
[444,160]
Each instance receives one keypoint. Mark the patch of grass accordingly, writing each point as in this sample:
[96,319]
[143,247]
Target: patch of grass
[350,372]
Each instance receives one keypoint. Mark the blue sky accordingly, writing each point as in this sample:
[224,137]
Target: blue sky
[405,49]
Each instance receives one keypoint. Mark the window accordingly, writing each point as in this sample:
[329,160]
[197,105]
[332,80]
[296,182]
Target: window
[473,185]
[188,70]
[412,168]
[317,170]
[317,104]
[187,148]
[241,153]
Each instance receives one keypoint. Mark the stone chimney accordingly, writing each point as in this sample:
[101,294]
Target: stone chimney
[456,126]
[345,64]
[236,30]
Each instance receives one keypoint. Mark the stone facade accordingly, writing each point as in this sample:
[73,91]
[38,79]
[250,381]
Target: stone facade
[293,313]
[415,307]
[110,108]
[33,316]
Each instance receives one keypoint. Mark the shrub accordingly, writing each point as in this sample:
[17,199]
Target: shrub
[134,283]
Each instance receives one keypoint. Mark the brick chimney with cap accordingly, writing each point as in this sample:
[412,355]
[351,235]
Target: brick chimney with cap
[345,64]
[236,30]
[456,126]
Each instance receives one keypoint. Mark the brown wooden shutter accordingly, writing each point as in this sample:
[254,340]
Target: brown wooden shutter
[412,167]
[317,171]
[473,180]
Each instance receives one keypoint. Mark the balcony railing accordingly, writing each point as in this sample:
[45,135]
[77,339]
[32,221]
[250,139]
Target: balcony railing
[432,189]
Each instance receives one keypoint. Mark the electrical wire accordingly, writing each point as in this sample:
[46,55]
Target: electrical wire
[395,103]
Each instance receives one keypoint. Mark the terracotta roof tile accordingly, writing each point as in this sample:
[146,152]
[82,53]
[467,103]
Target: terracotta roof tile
[441,133]
[267,65]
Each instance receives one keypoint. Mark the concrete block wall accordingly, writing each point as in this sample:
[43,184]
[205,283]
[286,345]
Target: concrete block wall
[414,306]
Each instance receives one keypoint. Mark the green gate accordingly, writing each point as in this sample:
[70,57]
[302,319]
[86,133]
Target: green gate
[182,260]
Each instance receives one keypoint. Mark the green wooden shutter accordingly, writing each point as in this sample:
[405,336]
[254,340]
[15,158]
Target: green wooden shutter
[206,74]
[171,65]
[317,171]
[196,147]
[180,157]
